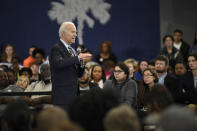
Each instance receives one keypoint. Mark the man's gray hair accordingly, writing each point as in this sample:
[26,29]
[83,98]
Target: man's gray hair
[63,27]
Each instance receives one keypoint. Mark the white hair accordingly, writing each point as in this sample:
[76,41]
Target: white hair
[63,27]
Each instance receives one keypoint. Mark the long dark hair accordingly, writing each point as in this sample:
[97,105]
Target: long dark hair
[143,87]
[103,72]
[5,56]
[124,67]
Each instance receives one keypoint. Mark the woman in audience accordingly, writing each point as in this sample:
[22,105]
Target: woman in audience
[23,82]
[98,75]
[105,53]
[131,64]
[126,86]
[35,72]
[169,51]
[147,84]
[142,66]
[8,54]
[108,66]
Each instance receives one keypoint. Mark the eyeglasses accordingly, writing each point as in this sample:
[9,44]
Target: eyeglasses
[117,71]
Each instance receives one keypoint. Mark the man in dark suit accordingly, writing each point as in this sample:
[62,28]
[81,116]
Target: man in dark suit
[65,66]
[189,81]
[161,67]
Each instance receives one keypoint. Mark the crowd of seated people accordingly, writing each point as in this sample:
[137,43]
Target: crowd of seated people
[147,86]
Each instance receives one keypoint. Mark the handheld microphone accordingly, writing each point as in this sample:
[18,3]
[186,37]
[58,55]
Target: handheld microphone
[82,63]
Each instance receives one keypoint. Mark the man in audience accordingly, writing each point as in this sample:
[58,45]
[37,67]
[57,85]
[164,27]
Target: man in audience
[43,85]
[85,84]
[189,81]
[5,87]
[161,67]
[29,60]
[180,45]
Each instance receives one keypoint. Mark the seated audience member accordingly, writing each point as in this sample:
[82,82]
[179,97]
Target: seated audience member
[180,44]
[105,53]
[189,81]
[177,118]
[122,83]
[161,66]
[16,65]
[121,118]
[145,87]
[17,117]
[170,51]
[85,84]
[151,64]
[5,87]
[29,60]
[12,76]
[142,66]
[43,85]
[35,72]
[193,48]
[4,84]
[108,66]
[22,82]
[89,110]
[26,72]
[8,54]
[50,117]
[180,69]
[38,54]
[98,75]
[132,64]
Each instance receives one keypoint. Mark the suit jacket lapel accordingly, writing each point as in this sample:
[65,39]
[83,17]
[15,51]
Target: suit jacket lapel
[65,51]
[63,48]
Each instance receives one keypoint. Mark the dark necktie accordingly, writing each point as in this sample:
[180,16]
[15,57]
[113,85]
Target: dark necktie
[70,51]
